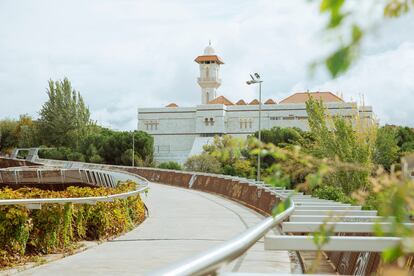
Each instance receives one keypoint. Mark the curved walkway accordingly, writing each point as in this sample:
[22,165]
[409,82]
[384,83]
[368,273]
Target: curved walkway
[181,222]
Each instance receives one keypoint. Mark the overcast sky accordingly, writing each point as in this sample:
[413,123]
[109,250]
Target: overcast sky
[122,55]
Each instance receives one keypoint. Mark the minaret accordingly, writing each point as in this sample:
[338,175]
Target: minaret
[209,79]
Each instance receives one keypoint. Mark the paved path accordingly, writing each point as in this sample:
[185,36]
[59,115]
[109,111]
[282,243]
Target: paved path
[181,222]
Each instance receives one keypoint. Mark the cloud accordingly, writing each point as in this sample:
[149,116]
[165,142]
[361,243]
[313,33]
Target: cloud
[386,81]
[122,55]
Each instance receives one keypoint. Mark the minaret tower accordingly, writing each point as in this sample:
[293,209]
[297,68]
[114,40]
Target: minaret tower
[209,79]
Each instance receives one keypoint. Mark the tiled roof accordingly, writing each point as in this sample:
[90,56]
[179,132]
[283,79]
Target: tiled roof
[172,105]
[270,101]
[302,97]
[241,102]
[254,102]
[220,100]
[209,58]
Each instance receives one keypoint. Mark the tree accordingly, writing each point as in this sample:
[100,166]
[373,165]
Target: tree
[347,140]
[203,163]
[405,139]
[26,132]
[8,137]
[386,147]
[226,149]
[64,118]
[126,159]
[282,137]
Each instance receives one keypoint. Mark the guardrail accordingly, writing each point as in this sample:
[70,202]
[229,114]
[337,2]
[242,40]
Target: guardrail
[56,176]
[45,175]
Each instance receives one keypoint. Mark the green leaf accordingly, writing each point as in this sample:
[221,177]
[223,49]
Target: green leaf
[391,254]
[281,207]
[339,61]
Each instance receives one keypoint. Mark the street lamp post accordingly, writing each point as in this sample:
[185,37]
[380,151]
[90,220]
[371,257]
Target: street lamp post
[254,80]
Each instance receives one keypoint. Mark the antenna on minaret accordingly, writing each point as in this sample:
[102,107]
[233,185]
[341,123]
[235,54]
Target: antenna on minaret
[363,99]
[209,42]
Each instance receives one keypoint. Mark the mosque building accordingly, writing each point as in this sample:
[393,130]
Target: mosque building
[180,132]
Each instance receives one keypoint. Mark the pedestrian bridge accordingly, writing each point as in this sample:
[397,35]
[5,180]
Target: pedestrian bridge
[206,224]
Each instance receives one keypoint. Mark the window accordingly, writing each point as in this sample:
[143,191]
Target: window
[209,121]
[290,117]
[151,125]
[210,134]
[246,123]
[275,118]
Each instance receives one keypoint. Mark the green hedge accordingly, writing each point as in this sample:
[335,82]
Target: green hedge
[56,228]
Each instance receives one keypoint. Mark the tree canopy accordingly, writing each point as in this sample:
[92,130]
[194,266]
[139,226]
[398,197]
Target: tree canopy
[64,117]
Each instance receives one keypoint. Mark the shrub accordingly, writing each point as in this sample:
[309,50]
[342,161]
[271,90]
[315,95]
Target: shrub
[56,228]
[96,159]
[203,163]
[331,193]
[126,159]
[171,165]
[76,156]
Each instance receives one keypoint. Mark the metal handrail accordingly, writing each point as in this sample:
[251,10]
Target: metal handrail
[211,260]
[75,200]
[142,186]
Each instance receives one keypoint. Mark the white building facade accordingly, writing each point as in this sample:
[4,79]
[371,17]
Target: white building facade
[180,132]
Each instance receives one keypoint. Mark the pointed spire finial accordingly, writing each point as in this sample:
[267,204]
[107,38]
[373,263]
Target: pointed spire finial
[209,42]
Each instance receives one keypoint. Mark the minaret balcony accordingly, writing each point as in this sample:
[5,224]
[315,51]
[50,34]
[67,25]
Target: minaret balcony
[209,80]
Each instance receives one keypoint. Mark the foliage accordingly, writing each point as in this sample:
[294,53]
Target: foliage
[337,138]
[171,165]
[344,22]
[203,163]
[395,202]
[76,156]
[113,144]
[283,137]
[107,146]
[20,133]
[386,148]
[64,118]
[331,193]
[226,149]
[405,139]
[7,134]
[55,228]
[126,158]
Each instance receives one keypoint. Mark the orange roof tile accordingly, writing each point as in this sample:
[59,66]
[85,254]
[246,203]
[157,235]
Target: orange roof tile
[270,101]
[209,58]
[172,105]
[254,102]
[241,102]
[220,100]
[302,97]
